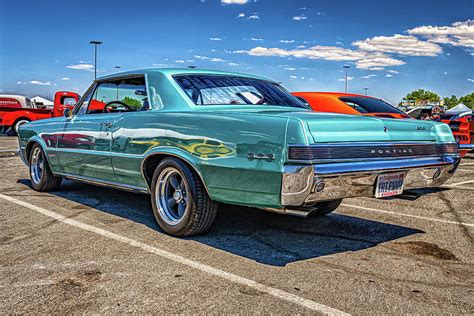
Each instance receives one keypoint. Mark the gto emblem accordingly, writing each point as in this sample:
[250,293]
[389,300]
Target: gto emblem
[385,129]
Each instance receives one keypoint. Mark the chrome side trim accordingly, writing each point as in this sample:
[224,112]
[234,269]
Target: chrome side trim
[466,146]
[104,183]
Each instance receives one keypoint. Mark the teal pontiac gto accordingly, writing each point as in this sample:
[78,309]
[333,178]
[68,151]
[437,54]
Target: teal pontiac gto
[193,138]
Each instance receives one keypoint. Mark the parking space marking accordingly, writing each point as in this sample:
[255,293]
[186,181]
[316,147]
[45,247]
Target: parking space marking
[312,305]
[459,183]
[407,215]
[467,164]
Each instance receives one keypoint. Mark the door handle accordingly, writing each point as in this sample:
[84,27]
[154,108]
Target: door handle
[106,125]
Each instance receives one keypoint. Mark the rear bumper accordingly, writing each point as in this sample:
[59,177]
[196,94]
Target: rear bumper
[307,184]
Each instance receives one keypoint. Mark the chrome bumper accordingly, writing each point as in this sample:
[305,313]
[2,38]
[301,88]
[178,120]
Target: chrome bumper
[307,184]
[466,146]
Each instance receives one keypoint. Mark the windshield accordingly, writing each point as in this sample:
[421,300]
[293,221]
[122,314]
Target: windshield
[370,105]
[234,90]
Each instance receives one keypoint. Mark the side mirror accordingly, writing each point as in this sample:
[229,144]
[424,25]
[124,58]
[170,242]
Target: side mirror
[67,112]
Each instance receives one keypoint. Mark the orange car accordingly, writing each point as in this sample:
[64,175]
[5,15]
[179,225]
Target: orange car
[347,103]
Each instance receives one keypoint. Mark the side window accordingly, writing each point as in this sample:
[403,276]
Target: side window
[303,100]
[119,95]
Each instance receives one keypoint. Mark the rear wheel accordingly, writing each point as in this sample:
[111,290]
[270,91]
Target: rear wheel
[42,179]
[324,208]
[17,124]
[180,202]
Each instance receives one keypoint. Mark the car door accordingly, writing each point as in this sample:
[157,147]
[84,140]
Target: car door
[84,144]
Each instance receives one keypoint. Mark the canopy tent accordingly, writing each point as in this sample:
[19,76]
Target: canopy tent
[458,109]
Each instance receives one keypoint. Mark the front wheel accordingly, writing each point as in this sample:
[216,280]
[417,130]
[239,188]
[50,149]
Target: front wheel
[42,179]
[180,202]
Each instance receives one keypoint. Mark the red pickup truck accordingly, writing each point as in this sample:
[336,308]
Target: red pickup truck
[16,110]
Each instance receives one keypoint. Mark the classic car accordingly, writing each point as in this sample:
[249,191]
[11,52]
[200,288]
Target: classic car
[192,138]
[349,103]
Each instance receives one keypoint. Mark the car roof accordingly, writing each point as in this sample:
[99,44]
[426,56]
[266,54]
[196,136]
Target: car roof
[180,71]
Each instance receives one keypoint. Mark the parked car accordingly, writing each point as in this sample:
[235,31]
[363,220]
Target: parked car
[462,126]
[17,110]
[348,103]
[192,138]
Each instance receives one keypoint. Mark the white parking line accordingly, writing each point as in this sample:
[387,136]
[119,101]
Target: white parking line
[407,215]
[459,183]
[467,163]
[188,262]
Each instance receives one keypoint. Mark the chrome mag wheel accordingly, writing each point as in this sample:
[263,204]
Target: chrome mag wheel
[37,165]
[171,196]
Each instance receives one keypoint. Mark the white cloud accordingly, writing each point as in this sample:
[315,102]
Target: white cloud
[253,17]
[215,39]
[293,77]
[65,78]
[300,17]
[458,34]
[339,43]
[399,44]
[20,82]
[445,73]
[256,39]
[470,80]
[213,59]
[241,15]
[81,66]
[392,71]
[344,79]
[233,64]
[40,83]
[179,61]
[363,60]
[234,1]
[388,75]
[368,76]
[301,46]
[289,68]
[286,41]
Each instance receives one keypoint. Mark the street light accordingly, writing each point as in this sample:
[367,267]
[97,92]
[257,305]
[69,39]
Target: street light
[117,67]
[366,89]
[346,67]
[95,43]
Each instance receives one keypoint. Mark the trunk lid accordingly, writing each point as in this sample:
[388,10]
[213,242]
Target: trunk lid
[351,128]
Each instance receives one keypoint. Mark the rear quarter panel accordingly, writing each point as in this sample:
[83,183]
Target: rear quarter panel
[216,144]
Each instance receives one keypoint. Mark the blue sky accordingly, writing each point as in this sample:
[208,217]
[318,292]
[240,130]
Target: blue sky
[393,47]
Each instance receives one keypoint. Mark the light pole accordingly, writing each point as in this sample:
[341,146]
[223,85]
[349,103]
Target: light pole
[346,67]
[365,90]
[117,67]
[95,43]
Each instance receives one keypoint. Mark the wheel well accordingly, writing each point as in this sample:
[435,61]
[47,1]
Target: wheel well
[29,146]
[21,118]
[150,164]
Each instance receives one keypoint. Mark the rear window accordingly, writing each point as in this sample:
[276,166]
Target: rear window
[370,105]
[234,90]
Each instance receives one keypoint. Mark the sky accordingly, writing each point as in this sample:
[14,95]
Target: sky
[392,47]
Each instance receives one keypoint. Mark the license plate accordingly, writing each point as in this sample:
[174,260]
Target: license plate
[389,184]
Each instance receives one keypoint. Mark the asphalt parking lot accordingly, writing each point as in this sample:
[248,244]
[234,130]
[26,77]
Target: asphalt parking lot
[91,249]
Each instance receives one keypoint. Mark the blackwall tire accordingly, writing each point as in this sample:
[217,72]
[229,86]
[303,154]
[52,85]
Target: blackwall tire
[326,207]
[181,205]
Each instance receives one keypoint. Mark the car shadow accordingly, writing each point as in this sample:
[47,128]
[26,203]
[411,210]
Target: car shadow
[268,238]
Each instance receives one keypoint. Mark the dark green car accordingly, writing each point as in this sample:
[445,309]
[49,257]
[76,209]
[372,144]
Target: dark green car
[192,138]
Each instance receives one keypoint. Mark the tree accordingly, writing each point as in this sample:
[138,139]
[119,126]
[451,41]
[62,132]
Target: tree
[133,103]
[468,100]
[422,96]
[451,102]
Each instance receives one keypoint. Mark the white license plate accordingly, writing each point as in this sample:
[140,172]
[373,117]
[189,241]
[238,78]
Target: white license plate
[389,184]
